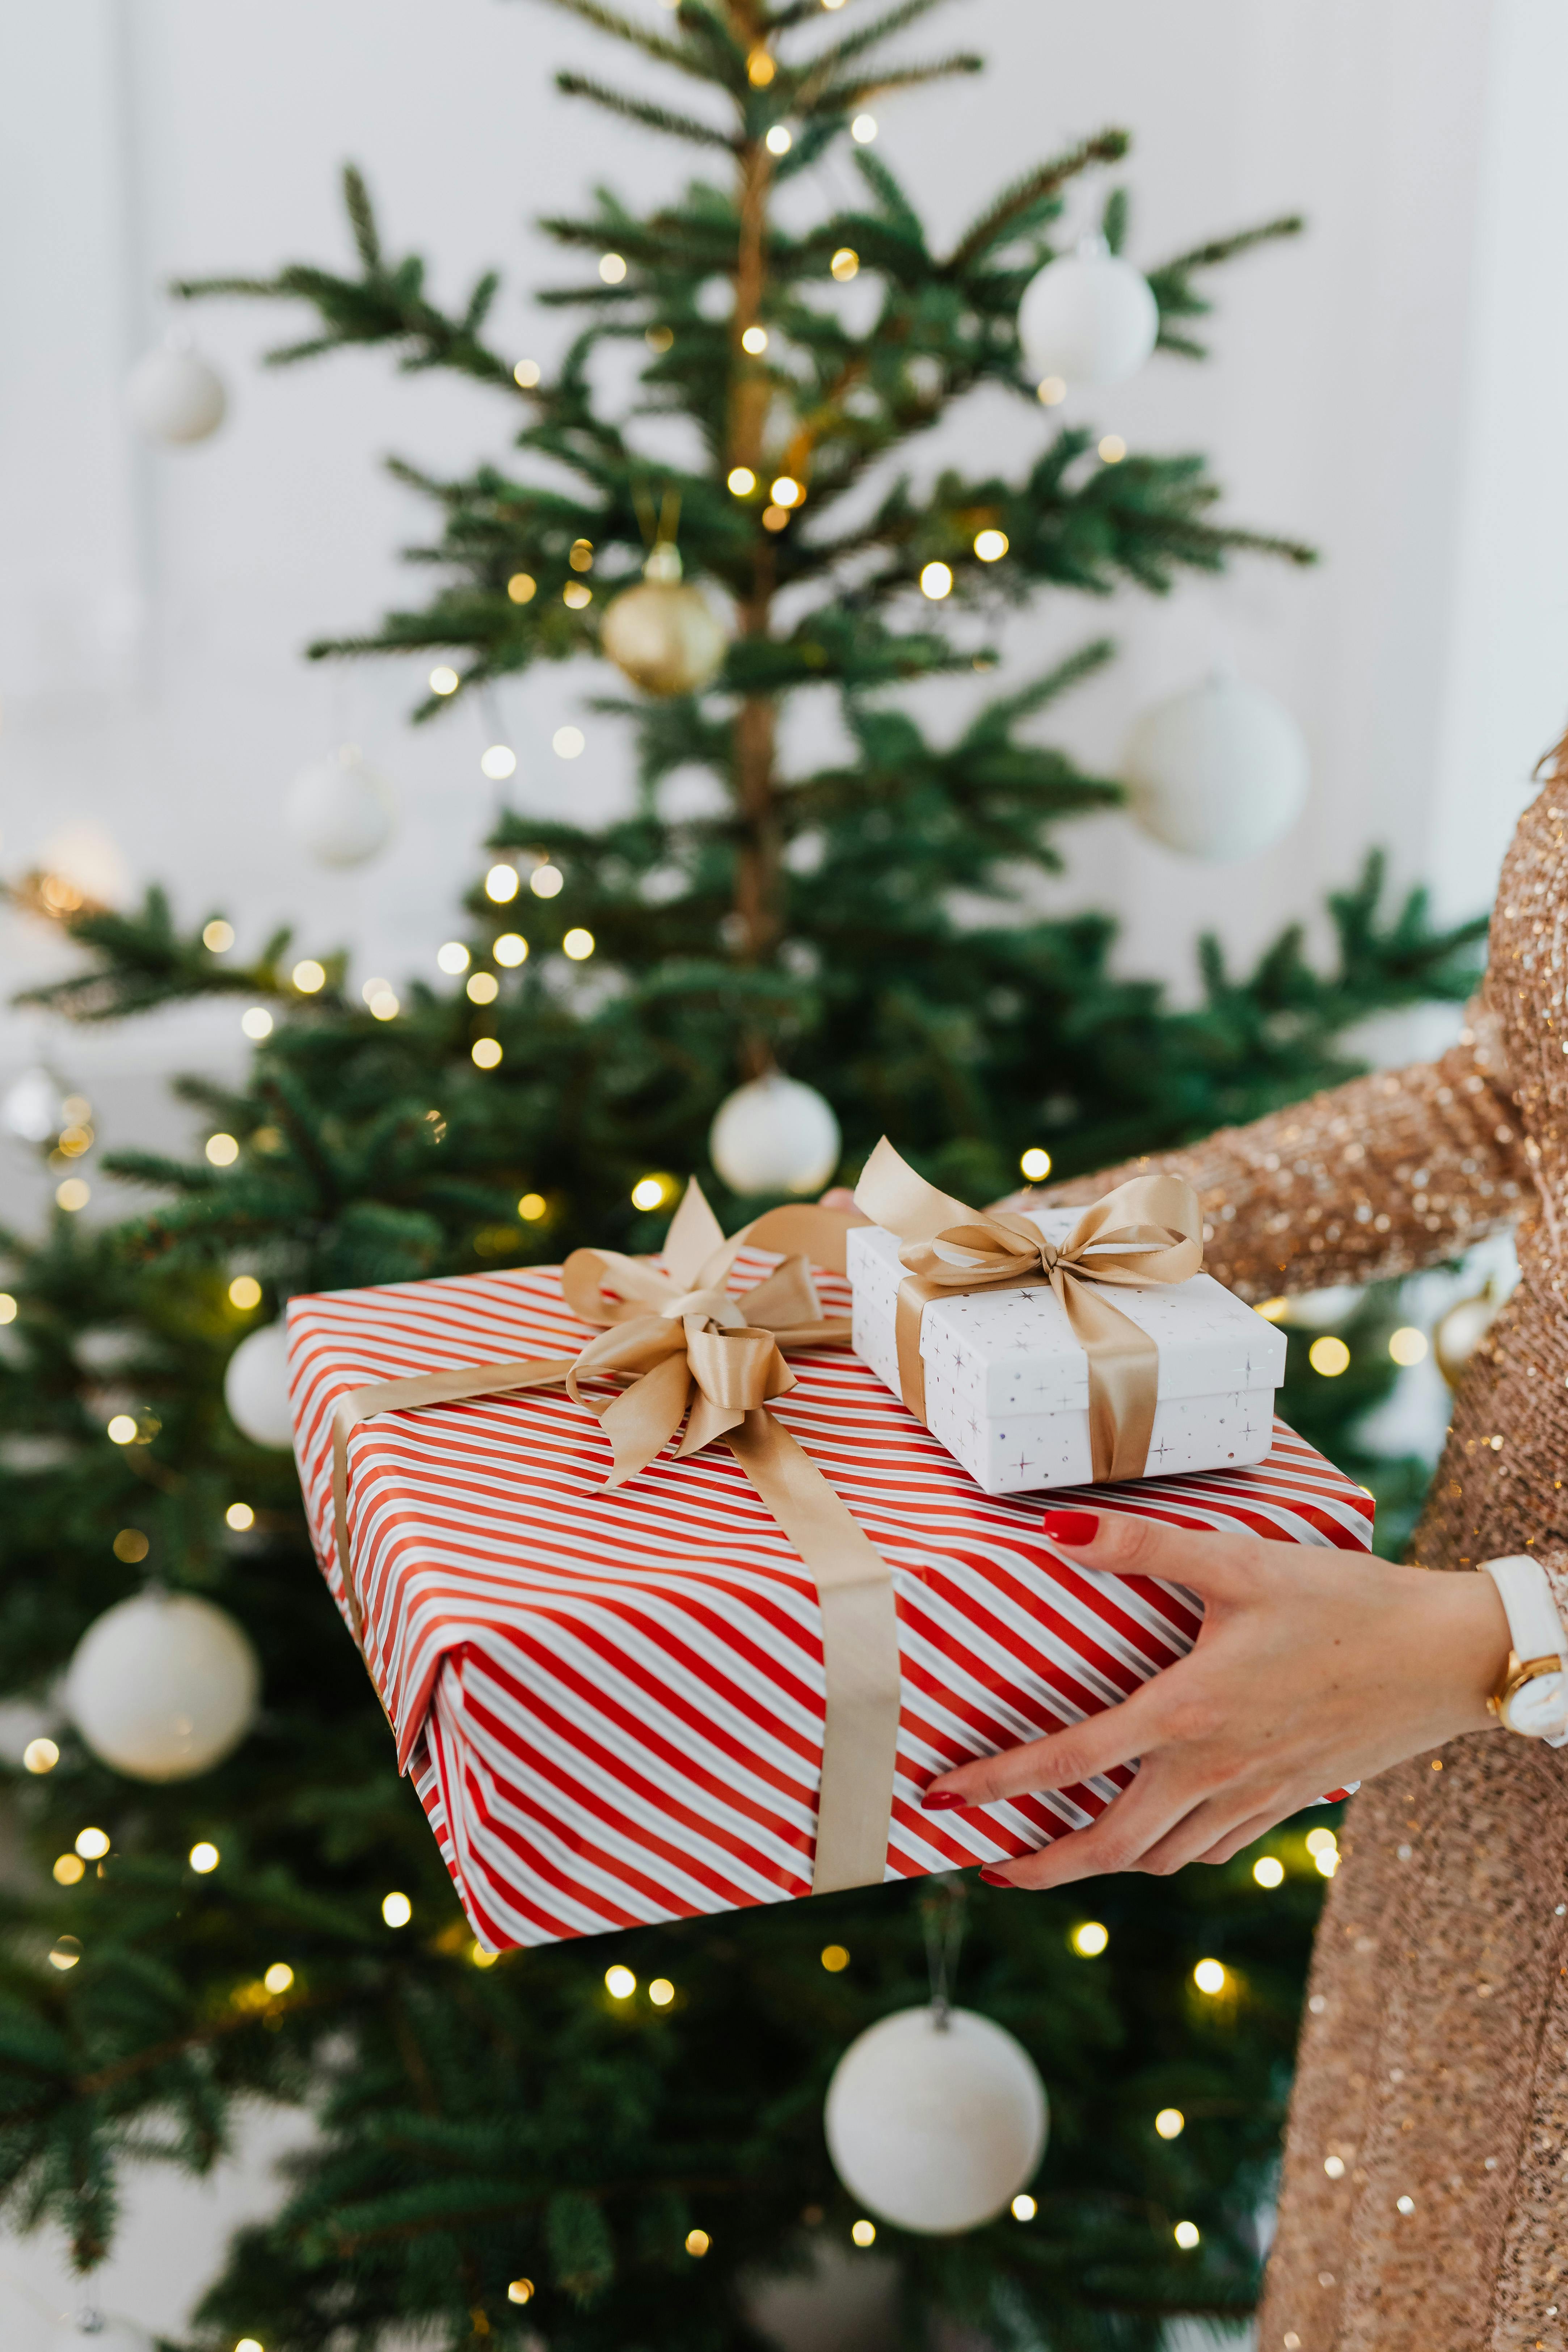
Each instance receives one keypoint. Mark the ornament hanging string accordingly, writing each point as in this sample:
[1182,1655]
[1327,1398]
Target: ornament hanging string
[944,1904]
[691,1351]
[1148,1230]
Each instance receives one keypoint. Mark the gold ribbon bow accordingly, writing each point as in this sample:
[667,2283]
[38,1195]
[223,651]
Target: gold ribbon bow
[691,1349]
[1148,1230]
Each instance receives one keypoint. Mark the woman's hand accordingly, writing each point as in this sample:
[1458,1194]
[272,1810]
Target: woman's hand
[1313,1667]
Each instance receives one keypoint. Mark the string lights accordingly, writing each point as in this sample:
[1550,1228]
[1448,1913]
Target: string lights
[444,679]
[567,743]
[845,264]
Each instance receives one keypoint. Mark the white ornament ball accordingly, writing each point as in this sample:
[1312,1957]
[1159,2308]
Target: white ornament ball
[33,1109]
[1219,772]
[174,396]
[163,1686]
[775,1136]
[255,1387]
[664,637]
[90,2330]
[340,810]
[936,2126]
[1088,317]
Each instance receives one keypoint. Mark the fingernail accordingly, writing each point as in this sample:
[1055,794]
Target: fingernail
[1070,1527]
[994,1878]
[936,1800]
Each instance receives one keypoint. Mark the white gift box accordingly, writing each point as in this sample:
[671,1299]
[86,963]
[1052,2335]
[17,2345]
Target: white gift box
[1006,1383]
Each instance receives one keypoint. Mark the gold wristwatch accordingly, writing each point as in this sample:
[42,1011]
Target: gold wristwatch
[1533,1696]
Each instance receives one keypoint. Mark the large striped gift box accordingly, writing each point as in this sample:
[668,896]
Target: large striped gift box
[612,1703]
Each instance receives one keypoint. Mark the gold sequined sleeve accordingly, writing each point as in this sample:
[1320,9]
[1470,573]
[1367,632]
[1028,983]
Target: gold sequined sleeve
[1380,1177]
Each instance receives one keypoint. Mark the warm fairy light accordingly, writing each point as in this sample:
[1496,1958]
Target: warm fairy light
[1051,391]
[834,1958]
[453,956]
[546,880]
[1321,1841]
[787,492]
[1326,1863]
[218,937]
[697,2243]
[1186,2235]
[1268,1870]
[121,1429]
[863,2232]
[40,1756]
[575,595]
[990,546]
[1035,1164]
[73,1194]
[659,339]
[779,141]
[531,1207]
[647,1193]
[520,2291]
[240,1517]
[1170,2123]
[444,679]
[578,944]
[308,976]
[130,1546]
[64,1953]
[612,268]
[581,555]
[223,1150]
[1328,1356]
[755,341]
[485,1053]
[619,1983]
[759,69]
[661,1992]
[382,1001]
[249,2344]
[1209,1977]
[69,1870]
[526,374]
[92,1844]
[511,949]
[257,1023]
[1273,1311]
[1407,1346]
[832,4]
[936,581]
[775,518]
[522,588]
[7,1308]
[863,129]
[278,1977]
[1112,450]
[567,743]
[481,1957]
[1023,2208]
[203,1857]
[396,1910]
[483,988]
[845,264]
[502,884]
[498,762]
[742,481]
[1334,2166]
[1091,1940]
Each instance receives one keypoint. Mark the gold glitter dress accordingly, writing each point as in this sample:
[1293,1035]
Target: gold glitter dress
[1425,2188]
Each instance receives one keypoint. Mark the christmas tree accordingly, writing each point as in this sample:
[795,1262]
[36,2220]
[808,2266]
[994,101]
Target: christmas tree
[514,2152]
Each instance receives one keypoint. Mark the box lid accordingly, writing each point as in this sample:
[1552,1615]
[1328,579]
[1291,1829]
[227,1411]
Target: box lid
[1014,1350]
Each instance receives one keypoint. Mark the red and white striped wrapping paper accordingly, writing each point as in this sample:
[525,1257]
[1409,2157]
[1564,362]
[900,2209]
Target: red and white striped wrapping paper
[611,1704]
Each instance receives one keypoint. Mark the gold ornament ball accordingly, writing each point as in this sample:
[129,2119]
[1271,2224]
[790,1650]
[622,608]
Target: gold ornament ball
[1461,1331]
[662,634]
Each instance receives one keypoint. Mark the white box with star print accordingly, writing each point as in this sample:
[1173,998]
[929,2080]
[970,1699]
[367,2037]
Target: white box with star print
[1007,1384]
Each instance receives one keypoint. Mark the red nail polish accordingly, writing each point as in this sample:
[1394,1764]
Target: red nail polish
[936,1800]
[994,1878]
[1070,1527]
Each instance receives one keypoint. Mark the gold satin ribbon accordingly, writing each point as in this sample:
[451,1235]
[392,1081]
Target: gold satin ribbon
[692,1350]
[1147,1230]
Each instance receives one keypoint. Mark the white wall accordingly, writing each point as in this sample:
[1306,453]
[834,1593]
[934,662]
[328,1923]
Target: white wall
[1390,387]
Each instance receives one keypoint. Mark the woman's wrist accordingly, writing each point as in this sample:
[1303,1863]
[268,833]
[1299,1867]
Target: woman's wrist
[1458,1642]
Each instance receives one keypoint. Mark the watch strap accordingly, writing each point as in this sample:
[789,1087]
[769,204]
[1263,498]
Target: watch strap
[1534,1627]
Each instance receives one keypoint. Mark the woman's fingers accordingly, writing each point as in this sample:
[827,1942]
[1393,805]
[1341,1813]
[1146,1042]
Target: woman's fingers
[1142,1818]
[1117,1735]
[1218,1568]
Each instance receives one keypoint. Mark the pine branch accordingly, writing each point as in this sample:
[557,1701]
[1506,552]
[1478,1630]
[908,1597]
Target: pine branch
[637,37]
[992,224]
[653,118]
[845,98]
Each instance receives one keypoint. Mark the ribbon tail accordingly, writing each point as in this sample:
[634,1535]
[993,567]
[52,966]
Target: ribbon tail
[860,1650]
[709,1420]
[1123,1379]
[641,1421]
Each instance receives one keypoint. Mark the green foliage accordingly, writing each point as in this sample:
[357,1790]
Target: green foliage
[866,920]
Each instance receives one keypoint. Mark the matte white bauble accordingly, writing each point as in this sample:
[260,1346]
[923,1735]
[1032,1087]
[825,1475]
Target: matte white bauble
[775,1136]
[936,2122]
[1088,317]
[90,2330]
[174,396]
[33,1109]
[663,635]
[1219,771]
[340,810]
[163,1686]
[255,1387]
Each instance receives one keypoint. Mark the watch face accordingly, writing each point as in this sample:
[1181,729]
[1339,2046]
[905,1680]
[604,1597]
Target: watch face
[1538,1707]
